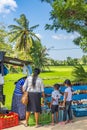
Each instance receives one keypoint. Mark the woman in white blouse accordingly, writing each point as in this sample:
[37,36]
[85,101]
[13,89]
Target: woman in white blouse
[35,87]
[67,102]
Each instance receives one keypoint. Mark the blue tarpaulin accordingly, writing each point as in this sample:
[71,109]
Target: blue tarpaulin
[48,90]
[5,70]
[74,88]
[80,112]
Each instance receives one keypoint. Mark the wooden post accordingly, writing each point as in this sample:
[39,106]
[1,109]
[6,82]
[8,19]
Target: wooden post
[2,97]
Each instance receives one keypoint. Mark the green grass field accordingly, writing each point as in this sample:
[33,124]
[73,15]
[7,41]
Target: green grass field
[57,74]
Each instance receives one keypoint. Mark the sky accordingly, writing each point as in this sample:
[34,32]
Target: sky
[60,44]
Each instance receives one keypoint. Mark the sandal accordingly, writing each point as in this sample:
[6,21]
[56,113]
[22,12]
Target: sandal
[37,126]
[70,121]
[52,124]
[57,122]
[26,125]
[62,123]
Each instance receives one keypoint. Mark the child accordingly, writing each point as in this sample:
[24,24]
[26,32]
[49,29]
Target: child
[54,103]
[67,102]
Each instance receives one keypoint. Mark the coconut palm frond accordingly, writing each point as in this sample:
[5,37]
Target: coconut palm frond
[22,34]
[79,73]
[22,21]
[21,45]
[15,37]
[34,35]
[30,42]
[34,27]
[14,27]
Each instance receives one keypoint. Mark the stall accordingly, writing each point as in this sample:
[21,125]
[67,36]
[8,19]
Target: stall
[79,100]
[8,60]
[8,119]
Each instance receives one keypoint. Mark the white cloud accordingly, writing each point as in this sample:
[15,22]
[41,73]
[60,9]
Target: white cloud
[57,37]
[38,35]
[65,37]
[6,6]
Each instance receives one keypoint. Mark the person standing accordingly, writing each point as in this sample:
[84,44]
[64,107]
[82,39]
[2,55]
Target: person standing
[34,87]
[17,106]
[67,102]
[54,103]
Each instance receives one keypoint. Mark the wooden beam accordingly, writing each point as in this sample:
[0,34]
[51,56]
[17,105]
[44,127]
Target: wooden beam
[15,61]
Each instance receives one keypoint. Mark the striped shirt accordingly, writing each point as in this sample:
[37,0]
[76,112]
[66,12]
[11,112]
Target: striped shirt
[39,87]
[18,86]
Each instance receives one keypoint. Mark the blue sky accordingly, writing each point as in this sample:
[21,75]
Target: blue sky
[38,13]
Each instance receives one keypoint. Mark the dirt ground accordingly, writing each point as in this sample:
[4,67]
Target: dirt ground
[78,124]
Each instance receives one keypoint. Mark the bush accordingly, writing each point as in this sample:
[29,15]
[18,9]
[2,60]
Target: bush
[79,73]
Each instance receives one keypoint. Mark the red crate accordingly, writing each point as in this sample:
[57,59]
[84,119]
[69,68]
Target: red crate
[8,120]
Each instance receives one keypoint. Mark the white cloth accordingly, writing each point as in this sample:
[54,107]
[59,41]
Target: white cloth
[39,87]
[29,70]
[1,79]
[69,96]
[55,95]
[25,69]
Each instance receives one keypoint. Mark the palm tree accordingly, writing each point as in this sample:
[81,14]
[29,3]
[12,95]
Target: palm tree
[2,36]
[39,55]
[21,34]
[79,73]
[4,46]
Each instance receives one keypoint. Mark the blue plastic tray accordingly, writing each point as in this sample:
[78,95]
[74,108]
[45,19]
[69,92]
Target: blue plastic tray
[80,112]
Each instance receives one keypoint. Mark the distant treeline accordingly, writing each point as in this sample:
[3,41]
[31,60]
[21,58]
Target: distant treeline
[69,61]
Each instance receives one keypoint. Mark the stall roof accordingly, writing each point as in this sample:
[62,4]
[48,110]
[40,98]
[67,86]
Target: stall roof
[15,61]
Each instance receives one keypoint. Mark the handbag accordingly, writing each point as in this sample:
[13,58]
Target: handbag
[24,99]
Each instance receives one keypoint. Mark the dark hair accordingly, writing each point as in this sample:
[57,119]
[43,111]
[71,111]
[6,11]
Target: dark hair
[57,86]
[36,73]
[68,82]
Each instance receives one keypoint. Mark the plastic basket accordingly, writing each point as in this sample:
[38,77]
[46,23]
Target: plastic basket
[80,112]
[44,118]
[8,120]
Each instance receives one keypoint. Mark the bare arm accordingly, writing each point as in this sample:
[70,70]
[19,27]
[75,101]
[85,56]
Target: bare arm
[51,102]
[25,85]
[23,90]
[65,94]
[43,94]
